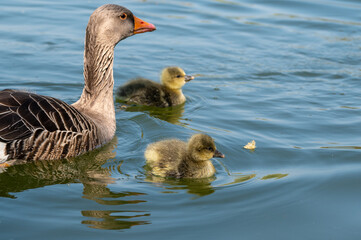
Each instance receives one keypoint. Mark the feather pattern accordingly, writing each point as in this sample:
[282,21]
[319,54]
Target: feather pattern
[175,158]
[145,92]
[40,127]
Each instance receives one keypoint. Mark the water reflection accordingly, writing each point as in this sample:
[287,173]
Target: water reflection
[274,176]
[343,147]
[243,178]
[88,170]
[199,187]
[170,114]
[240,179]
[113,220]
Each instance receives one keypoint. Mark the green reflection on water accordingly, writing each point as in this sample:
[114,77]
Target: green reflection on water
[170,114]
[246,177]
[240,179]
[113,220]
[199,187]
[274,176]
[86,169]
[342,147]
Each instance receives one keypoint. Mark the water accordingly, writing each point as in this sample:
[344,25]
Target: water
[284,73]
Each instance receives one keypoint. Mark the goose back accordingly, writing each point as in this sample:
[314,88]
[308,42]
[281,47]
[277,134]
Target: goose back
[33,126]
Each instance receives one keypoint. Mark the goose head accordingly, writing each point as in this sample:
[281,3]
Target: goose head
[201,147]
[112,23]
[174,77]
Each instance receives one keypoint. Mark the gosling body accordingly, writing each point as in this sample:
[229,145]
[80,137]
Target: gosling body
[179,159]
[149,93]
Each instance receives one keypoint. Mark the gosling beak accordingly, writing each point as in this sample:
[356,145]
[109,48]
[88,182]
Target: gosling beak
[218,154]
[141,26]
[187,78]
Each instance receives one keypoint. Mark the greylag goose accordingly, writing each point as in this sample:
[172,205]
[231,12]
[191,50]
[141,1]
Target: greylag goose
[146,92]
[34,127]
[175,158]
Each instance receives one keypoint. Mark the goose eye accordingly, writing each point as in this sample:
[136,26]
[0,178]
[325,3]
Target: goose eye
[123,16]
[178,76]
[210,149]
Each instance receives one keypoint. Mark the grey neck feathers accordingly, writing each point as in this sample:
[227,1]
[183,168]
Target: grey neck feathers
[97,100]
[98,70]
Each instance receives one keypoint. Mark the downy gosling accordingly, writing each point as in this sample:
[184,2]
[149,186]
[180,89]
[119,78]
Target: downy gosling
[178,159]
[146,92]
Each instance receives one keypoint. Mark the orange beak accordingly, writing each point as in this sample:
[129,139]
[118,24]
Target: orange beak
[141,26]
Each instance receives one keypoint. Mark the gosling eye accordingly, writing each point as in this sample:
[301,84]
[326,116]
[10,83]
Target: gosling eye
[178,76]
[123,16]
[210,149]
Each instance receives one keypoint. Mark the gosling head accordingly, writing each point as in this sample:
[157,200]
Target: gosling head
[201,147]
[111,23]
[174,77]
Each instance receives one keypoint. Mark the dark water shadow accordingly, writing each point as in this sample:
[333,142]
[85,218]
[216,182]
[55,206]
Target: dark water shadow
[169,114]
[112,219]
[88,170]
[198,187]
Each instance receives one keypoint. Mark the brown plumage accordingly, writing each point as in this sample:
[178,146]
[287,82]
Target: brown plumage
[146,92]
[175,158]
[36,127]
[40,127]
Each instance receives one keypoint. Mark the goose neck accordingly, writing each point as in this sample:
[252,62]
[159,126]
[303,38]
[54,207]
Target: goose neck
[97,100]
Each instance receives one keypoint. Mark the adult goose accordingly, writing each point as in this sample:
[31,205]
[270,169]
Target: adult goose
[35,127]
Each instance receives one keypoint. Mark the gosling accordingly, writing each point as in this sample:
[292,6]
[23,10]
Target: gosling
[146,92]
[178,159]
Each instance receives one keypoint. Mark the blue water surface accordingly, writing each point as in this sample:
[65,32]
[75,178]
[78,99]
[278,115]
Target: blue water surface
[284,73]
